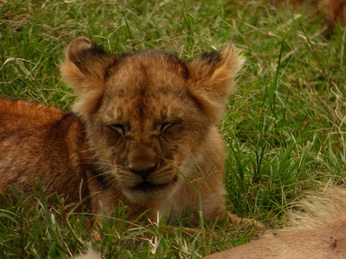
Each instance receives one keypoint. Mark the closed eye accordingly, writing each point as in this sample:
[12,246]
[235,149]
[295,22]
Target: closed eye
[118,128]
[166,125]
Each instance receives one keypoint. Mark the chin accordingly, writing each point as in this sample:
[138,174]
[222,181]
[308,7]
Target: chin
[148,194]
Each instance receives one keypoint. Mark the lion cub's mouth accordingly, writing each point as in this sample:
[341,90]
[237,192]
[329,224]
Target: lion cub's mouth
[150,190]
[150,186]
[146,186]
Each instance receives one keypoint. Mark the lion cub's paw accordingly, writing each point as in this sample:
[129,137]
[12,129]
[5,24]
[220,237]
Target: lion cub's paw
[90,254]
[237,220]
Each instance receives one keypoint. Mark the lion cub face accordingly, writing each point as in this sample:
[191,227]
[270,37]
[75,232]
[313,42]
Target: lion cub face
[147,125]
[148,114]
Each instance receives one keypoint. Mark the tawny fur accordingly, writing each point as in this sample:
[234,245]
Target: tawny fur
[316,230]
[90,254]
[334,11]
[143,134]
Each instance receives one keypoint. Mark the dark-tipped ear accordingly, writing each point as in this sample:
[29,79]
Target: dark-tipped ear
[212,79]
[84,69]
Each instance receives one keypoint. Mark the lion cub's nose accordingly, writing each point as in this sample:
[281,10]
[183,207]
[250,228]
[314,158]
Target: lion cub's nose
[142,169]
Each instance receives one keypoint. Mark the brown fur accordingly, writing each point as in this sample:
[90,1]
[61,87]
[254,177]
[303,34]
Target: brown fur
[318,230]
[143,133]
[90,254]
[334,11]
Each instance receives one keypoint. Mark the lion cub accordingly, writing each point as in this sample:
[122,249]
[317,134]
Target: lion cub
[142,133]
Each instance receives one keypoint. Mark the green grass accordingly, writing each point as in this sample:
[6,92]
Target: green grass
[285,127]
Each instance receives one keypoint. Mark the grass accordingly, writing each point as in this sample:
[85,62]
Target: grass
[285,127]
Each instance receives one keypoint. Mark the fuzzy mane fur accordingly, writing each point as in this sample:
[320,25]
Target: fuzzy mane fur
[318,209]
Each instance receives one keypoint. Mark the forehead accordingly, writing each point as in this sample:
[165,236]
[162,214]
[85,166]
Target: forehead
[146,84]
[146,73]
[152,108]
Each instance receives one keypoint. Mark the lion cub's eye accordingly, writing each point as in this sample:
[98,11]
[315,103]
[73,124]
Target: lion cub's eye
[118,128]
[166,125]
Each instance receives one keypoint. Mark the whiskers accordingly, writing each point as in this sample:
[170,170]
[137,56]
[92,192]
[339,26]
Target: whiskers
[101,168]
[128,179]
[165,175]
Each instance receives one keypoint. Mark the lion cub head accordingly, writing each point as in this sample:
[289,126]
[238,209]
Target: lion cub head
[148,114]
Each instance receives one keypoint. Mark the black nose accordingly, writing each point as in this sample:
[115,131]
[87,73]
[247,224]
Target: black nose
[143,171]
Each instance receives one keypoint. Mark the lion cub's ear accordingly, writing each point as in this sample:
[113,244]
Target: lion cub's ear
[212,79]
[84,69]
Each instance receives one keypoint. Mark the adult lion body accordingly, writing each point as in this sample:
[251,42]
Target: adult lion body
[143,133]
[318,230]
